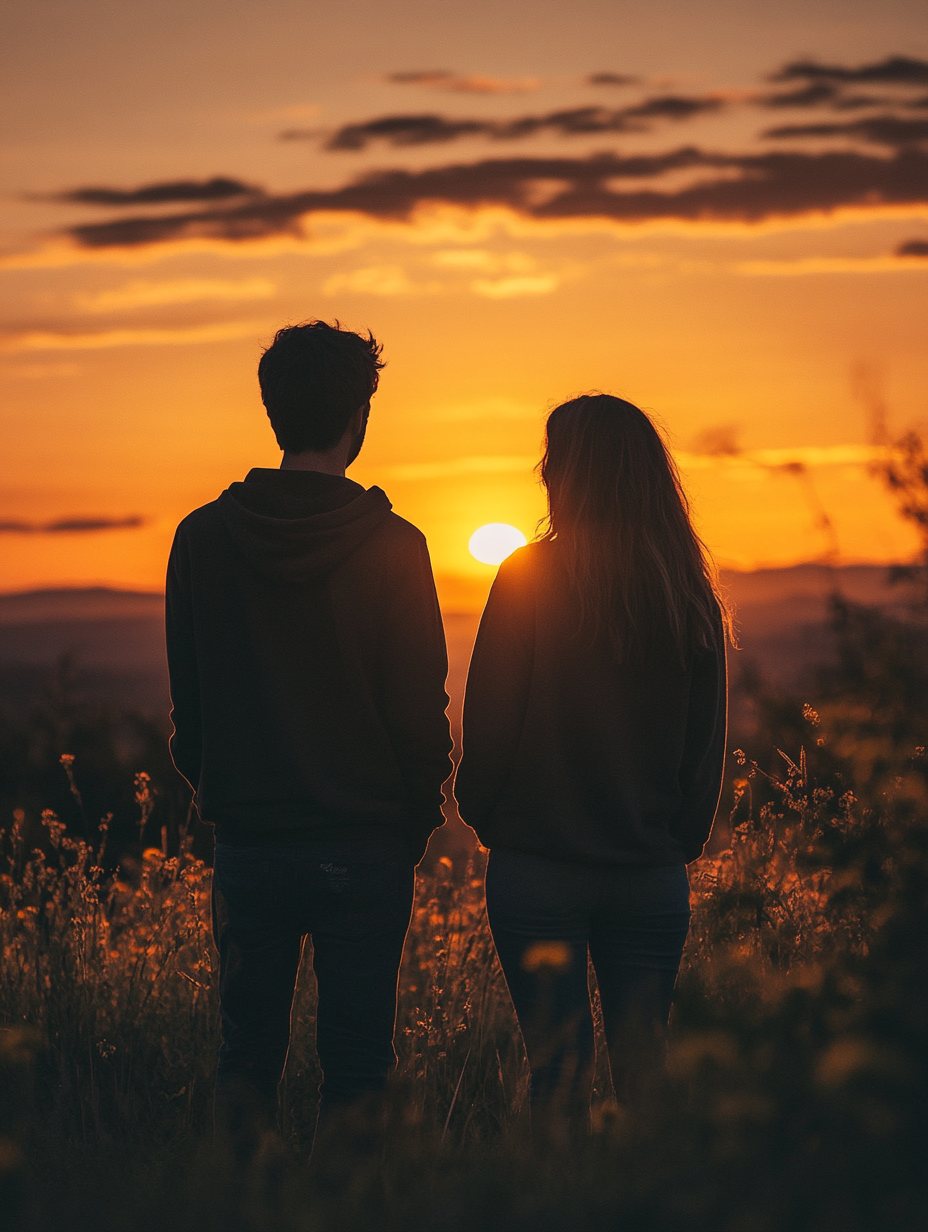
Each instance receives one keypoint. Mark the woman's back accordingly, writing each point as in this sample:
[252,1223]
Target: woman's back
[575,752]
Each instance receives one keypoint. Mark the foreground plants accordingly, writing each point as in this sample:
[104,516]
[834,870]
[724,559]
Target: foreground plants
[798,1076]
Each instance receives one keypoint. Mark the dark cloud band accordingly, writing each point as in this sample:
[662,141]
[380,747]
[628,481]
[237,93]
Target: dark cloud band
[893,131]
[406,130]
[723,187]
[894,70]
[735,188]
[219,188]
[71,526]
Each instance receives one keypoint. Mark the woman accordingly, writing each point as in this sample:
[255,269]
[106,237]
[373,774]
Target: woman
[594,738]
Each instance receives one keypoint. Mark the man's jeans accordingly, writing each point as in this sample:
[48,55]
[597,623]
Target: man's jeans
[354,899]
[546,915]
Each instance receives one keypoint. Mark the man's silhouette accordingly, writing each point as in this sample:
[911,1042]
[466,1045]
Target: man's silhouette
[308,663]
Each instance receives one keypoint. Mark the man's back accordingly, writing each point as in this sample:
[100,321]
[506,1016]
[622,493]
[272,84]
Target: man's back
[307,662]
[308,666]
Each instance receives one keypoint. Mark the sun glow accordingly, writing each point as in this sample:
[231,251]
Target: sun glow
[491,544]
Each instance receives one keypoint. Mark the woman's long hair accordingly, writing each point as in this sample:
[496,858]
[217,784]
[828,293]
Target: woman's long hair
[617,510]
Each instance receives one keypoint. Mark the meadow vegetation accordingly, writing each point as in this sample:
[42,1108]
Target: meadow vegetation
[798,1092]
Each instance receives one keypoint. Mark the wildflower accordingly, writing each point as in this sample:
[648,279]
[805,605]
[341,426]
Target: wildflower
[144,798]
[54,827]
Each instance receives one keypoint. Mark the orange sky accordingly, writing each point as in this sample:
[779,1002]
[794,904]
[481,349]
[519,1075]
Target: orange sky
[757,334]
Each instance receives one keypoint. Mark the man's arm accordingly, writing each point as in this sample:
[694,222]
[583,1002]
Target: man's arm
[498,684]
[186,742]
[414,667]
[703,762]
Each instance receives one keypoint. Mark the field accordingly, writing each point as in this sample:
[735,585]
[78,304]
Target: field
[797,1062]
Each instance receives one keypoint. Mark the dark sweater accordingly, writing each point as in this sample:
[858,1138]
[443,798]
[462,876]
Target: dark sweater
[307,662]
[571,755]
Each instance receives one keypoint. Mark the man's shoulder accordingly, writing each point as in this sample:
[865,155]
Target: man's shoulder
[402,529]
[401,533]
[198,519]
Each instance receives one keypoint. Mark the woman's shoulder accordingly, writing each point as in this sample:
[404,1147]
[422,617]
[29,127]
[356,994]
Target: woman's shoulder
[531,556]
[526,564]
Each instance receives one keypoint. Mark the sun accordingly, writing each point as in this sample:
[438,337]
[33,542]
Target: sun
[491,544]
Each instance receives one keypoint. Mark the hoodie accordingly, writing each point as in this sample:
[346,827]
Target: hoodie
[572,755]
[307,663]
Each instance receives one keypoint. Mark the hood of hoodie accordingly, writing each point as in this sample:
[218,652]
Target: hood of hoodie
[294,526]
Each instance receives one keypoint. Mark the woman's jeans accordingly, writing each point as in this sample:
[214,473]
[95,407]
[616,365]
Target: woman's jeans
[546,915]
[354,899]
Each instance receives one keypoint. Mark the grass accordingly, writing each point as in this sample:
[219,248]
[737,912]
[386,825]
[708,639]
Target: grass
[797,1059]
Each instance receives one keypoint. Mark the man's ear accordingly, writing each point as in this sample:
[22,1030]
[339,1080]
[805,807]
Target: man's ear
[358,421]
[358,430]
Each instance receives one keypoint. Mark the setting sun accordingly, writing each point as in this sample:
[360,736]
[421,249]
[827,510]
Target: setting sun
[491,544]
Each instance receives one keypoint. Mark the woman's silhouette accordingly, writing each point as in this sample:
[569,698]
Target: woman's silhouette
[594,738]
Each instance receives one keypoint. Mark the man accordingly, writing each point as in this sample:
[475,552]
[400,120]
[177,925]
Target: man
[307,663]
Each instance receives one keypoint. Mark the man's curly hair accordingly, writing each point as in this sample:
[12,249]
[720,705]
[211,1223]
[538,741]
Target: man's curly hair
[313,378]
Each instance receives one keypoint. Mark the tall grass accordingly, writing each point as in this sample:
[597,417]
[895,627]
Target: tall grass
[797,1056]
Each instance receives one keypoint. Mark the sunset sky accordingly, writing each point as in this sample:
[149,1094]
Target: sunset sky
[715,208]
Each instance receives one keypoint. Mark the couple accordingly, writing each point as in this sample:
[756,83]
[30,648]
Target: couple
[308,665]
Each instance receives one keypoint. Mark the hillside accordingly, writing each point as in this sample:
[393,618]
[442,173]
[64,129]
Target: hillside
[116,641]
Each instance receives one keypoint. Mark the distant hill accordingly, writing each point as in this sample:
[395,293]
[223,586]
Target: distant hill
[116,638]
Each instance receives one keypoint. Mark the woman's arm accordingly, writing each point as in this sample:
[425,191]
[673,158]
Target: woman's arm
[703,762]
[498,684]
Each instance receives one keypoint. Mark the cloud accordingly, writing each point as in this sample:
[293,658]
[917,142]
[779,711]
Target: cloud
[913,248]
[894,70]
[517,285]
[886,130]
[48,340]
[466,258]
[835,87]
[506,276]
[610,79]
[746,189]
[464,83]
[71,526]
[219,188]
[735,458]
[398,130]
[385,280]
[431,129]
[687,186]
[142,294]
[747,459]
[831,265]
[816,94]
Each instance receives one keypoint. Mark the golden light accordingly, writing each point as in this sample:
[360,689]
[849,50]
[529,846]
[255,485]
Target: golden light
[491,544]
